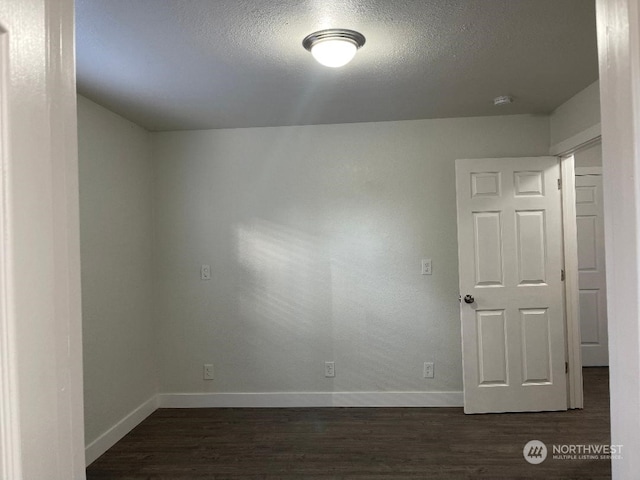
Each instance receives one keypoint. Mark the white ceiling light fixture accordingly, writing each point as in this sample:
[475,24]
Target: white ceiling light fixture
[334,47]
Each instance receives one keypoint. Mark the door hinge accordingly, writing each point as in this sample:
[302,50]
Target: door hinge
[562,275]
[566,367]
[559,184]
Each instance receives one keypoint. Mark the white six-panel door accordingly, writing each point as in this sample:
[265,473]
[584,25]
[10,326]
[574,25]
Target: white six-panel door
[591,270]
[510,262]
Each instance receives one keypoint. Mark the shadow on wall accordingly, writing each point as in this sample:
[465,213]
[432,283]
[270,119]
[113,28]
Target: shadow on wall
[311,300]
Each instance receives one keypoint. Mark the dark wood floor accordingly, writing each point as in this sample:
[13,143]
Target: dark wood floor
[358,443]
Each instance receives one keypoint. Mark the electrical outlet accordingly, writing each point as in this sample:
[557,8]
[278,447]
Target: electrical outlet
[329,369]
[426,266]
[205,272]
[208,372]
[428,369]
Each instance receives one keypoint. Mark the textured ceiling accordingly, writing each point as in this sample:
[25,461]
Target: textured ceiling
[197,64]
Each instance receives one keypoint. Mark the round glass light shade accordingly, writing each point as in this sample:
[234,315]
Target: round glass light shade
[334,52]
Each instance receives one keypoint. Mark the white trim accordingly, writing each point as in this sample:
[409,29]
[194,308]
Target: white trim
[571,293]
[578,140]
[65,215]
[581,171]
[310,399]
[10,465]
[109,438]
[618,26]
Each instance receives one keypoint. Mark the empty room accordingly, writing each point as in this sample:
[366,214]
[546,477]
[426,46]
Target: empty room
[361,239]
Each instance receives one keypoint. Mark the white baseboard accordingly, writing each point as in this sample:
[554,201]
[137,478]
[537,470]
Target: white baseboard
[310,399]
[109,438]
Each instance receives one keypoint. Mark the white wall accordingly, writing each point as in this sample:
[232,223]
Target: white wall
[119,334]
[578,114]
[590,156]
[315,235]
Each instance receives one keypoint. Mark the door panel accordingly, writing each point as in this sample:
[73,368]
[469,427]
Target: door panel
[487,228]
[591,270]
[536,348]
[589,323]
[530,235]
[492,347]
[510,257]
[587,253]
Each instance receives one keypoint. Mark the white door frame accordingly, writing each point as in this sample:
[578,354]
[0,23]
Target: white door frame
[9,426]
[618,25]
[575,397]
[41,399]
[565,151]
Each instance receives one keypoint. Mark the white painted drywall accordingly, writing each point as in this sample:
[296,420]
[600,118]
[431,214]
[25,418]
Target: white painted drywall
[590,156]
[119,334]
[314,235]
[581,112]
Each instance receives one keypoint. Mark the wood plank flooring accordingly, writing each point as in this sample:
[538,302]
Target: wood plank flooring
[358,443]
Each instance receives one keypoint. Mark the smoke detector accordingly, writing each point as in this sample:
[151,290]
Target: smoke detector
[503,100]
